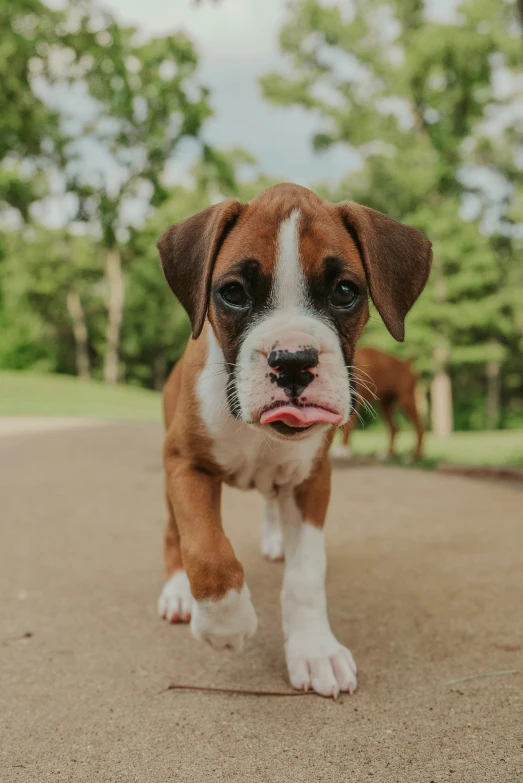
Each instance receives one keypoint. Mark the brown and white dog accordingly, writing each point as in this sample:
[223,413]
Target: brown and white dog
[384,380]
[276,290]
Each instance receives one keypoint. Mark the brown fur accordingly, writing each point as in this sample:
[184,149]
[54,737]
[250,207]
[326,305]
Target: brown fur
[312,497]
[200,251]
[390,382]
[193,485]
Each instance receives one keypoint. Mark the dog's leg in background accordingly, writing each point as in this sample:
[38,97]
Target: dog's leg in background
[175,602]
[272,535]
[387,407]
[343,450]
[222,612]
[315,658]
[408,404]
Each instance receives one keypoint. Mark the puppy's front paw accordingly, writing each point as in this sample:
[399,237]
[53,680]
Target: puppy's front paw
[341,452]
[272,544]
[320,662]
[175,602]
[226,622]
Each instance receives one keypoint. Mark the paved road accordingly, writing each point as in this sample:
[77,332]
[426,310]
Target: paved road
[425,585]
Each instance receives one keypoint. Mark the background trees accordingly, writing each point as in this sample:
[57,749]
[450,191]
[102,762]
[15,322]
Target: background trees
[96,120]
[414,95]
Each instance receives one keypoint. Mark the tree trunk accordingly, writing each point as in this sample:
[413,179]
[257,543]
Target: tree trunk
[441,395]
[115,302]
[159,372]
[81,337]
[422,403]
[493,393]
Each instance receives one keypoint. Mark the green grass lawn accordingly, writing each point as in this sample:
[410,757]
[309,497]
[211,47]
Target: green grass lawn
[503,447]
[28,394]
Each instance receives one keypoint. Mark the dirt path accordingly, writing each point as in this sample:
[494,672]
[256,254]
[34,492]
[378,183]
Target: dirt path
[425,585]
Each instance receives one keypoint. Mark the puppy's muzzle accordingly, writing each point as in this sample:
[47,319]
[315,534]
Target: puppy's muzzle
[292,370]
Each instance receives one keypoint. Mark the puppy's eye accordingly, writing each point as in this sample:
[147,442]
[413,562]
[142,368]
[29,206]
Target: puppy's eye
[234,295]
[344,295]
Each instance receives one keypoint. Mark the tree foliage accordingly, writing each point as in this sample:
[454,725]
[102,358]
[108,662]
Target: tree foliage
[97,119]
[415,96]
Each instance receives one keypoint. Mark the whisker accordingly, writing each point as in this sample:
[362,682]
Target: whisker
[360,368]
[356,370]
[364,386]
[214,375]
[366,405]
[363,383]
[205,364]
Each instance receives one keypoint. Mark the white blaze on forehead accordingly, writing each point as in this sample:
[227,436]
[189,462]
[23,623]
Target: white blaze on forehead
[289,287]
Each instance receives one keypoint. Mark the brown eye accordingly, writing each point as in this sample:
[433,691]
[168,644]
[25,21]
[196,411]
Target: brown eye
[233,294]
[344,295]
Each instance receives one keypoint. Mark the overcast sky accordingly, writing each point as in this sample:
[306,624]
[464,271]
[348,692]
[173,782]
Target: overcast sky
[237,42]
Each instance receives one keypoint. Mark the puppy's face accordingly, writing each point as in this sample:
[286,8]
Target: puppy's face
[288,302]
[284,283]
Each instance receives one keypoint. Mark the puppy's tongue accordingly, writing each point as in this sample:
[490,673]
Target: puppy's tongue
[299,417]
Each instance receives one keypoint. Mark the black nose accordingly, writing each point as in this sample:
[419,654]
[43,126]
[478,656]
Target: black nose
[293,370]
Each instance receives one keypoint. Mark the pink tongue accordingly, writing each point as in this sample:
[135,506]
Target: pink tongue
[299,417]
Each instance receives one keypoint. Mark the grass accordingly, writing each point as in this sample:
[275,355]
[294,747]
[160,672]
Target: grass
[504,447]
[29,394]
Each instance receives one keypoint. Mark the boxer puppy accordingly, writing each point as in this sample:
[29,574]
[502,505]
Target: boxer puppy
[276,291]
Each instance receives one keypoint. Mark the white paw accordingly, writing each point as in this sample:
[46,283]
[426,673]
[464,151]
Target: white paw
[341,452]
[176,602]
[272,543]
[320,662]
[226,622]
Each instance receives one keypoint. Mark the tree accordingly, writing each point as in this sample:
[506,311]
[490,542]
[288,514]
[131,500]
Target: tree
[409,93]
[155,326]
[145,102]
[49,284]
[29,129]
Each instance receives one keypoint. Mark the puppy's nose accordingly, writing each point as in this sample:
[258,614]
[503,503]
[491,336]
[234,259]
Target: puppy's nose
[293,370]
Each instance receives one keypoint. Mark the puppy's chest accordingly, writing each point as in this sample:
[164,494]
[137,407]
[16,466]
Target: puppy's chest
[250,462]
[248,458]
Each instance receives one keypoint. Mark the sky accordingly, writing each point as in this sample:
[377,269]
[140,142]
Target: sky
[237,42]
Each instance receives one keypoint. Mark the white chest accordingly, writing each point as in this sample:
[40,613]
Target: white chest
[253,461]
[250,459]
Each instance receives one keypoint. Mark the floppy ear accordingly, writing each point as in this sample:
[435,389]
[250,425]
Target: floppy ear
[188,251]
[396,258]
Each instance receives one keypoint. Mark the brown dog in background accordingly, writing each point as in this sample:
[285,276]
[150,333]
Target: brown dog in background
[390,382]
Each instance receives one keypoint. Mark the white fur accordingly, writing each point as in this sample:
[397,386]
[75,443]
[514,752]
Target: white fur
[175,602]
[246,453]
[289,289]
[315,658]
[226,622]
[254,456]
[272,535]
[340,451]
[290,324]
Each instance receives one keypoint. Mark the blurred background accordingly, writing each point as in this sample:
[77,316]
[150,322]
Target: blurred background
[120,118]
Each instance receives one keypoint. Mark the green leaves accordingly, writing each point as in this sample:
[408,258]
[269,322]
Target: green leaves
[418,97]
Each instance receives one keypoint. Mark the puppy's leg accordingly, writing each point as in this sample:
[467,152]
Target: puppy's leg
[315,658]
[175,602]
[222,612]
[272,536]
